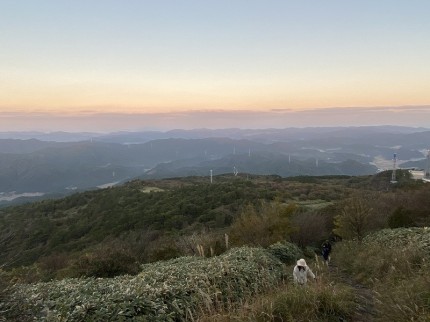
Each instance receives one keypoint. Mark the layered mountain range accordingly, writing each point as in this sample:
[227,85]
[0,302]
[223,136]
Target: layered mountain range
[64,162]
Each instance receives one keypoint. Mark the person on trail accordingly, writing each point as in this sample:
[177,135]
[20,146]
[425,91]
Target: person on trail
[326,250]
[301,272]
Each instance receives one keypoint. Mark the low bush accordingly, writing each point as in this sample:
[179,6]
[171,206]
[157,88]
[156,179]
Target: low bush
[4,290]
[107,261]
[401,217]
[175,290]
[417,237]
[286,252]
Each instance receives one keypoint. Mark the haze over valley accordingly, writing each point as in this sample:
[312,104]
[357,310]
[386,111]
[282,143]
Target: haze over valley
[33,165]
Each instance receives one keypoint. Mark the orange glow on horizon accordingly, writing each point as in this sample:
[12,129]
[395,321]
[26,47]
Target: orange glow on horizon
[131,97]
[256,101]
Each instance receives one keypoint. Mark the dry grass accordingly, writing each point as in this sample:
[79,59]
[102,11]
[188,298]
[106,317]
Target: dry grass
[405,300]
[399,277]
[320,300]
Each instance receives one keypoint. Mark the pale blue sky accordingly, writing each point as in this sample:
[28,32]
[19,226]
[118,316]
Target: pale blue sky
[71,56]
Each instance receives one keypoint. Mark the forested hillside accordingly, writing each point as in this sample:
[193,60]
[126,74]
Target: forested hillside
[148,213]
[159,208]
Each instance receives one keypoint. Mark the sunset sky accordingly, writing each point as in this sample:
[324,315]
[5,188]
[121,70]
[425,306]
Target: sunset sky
[107,65]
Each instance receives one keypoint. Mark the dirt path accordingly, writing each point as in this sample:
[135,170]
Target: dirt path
[365,311]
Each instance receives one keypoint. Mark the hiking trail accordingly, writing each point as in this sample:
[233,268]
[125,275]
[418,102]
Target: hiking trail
[365,310]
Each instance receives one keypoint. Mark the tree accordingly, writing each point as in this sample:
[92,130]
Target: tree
[310,228]
[262,226]
[401,217]
[354,220]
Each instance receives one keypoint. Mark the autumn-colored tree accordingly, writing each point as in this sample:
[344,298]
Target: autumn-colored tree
[263,225]
[354,221]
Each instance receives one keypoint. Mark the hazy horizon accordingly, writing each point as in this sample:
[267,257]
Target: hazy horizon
[411,116]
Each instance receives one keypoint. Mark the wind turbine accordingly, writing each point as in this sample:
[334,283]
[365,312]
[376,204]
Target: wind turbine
[235,172]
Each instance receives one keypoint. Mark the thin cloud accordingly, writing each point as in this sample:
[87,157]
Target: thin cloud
[364,109]
[87,120]
[281,110]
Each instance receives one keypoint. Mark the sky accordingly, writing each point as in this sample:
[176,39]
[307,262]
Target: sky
[106,65]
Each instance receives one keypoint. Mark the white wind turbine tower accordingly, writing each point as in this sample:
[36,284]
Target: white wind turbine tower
[427,172]
[393,174]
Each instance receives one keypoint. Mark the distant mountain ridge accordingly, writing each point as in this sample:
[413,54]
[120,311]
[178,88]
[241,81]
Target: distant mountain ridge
[266,135]
[50,136]
[260,164]
[33,165]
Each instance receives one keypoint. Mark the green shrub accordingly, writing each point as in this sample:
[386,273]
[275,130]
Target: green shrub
[416,237]
[286,252]
[107,262]
[175,290]
[310,251]
[164,253]
[401,217]
[4,286]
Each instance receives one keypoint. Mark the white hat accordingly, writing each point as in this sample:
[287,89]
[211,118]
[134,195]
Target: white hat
[301,262]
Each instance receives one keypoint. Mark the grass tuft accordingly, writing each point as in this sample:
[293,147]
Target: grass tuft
[395,264]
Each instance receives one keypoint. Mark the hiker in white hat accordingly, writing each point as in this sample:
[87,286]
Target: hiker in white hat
[301,272]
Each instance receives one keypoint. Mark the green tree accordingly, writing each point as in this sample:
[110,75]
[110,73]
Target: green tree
[401,217]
